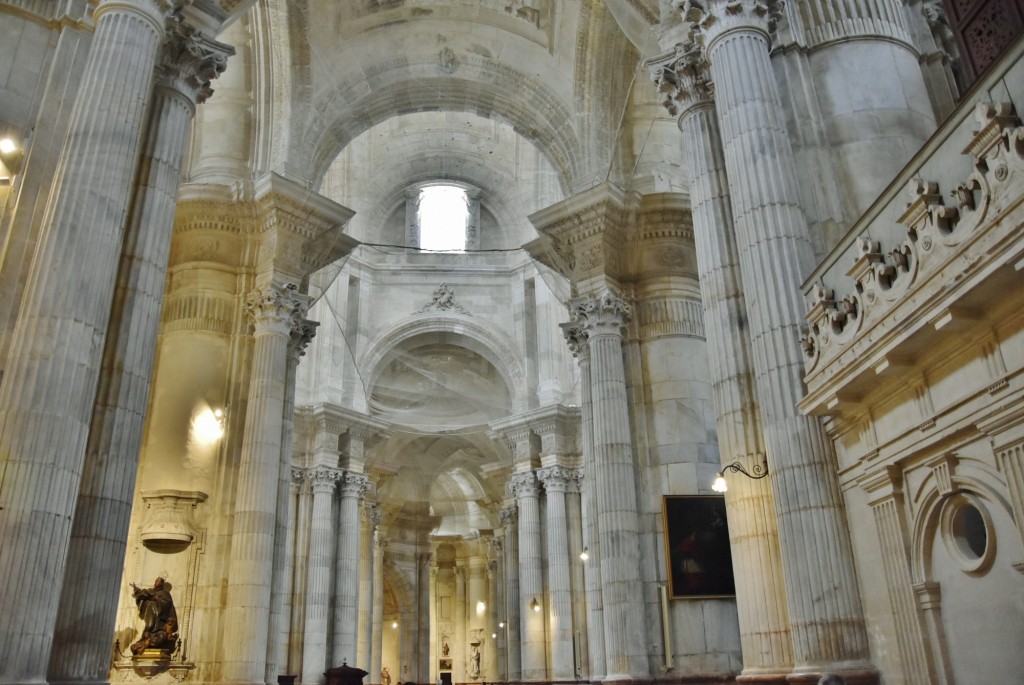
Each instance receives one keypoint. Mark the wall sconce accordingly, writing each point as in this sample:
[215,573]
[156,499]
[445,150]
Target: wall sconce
[584,555]
[480,608]
[394,625]
[208,426]
[501,624]
[534,605]
[759,472]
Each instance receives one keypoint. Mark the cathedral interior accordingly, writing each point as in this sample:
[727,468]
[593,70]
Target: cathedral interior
[511,341]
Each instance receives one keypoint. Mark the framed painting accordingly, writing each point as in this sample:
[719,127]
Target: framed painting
[697,547]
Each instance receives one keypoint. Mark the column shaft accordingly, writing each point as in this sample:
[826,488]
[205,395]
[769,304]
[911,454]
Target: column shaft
[824,608]
[346,586]
[513,598]
[255,522]
[560,625]
[50,380]
[377,605]
[318,576]
[531,579]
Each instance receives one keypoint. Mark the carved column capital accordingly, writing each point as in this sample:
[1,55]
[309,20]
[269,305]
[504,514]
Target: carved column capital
[508,515]
[276,310]
[524,485]
[190,62]
[557,478]
[323,478]
[606,314]
[354,484]
[154,11]
[716,18]
[303,332]
[683,78]
[576,340]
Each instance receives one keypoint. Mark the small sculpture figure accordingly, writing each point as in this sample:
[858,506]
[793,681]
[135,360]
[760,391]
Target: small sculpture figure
[444,648]
[385,677]
[156,609]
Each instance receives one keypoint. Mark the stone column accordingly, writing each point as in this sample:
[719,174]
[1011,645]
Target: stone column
[371,518]
[323,480]
[825,615]
[346,580]
[574,522]
[291,619]
[280,619]
[300,577]
[683,78]
[48,390]
[274,311]
[494,663]
[377,631]
[97,546]
[603,319]
[531,579]
[577,340]
[555,480]
[513,599]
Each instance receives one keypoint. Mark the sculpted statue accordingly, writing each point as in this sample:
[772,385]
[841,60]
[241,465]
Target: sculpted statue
[156,609]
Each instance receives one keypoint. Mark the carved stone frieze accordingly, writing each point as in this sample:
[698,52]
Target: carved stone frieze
[443,300]
[946,240]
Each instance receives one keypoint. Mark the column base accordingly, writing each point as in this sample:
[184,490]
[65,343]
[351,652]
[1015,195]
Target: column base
[764,677]
[852,676]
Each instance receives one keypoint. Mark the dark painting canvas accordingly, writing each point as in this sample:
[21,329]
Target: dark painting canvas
[697,547]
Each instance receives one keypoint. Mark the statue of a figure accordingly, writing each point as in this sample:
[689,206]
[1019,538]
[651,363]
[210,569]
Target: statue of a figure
[156,609]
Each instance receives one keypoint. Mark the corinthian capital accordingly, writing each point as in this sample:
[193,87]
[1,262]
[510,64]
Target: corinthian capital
[576,340]
[682,76]
[303,331]
[190,62]
[606,314]
[524,485]
[323,478]
[354,484]
[715,18]
[276,309]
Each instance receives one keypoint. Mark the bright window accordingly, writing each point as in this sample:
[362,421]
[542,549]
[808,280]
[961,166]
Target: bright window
[443,212]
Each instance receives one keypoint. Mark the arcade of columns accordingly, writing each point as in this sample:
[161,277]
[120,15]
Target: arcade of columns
[799,609]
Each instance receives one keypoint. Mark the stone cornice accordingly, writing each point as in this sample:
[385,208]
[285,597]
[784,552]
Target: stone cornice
[337,420]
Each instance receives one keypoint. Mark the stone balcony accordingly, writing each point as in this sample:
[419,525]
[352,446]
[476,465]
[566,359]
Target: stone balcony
[932,262]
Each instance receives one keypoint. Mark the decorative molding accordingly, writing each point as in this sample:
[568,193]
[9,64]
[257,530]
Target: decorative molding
[443,300]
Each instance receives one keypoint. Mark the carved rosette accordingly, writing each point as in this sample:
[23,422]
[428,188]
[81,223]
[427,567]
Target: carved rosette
[190,62]
[323,478]
[276,310]
[943,242]
[354,484]
[606,314]
[683,78]
[524,485]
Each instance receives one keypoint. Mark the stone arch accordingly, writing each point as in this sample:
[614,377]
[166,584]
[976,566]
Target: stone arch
[472,335]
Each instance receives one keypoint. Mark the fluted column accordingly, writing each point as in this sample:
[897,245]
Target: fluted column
[760,594]
[50,380]
[346,586]
[279,625]
[574,523]
[371,518]
[274,312]
[531,580]
[576,339]
[603,319]
[775,254]
[494,664]
[97,546]
[323,480]
[377,631]
[292,609]
[300,575]
[513,599]
[555,480]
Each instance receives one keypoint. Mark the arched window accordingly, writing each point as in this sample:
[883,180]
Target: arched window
[443,215]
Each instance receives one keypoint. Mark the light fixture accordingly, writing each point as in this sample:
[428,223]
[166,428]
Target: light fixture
[534,605]
[9,160]
[501,624]
[480,608]
[494,636]
[757,472]
[208,426]
[584,555]
[394,625]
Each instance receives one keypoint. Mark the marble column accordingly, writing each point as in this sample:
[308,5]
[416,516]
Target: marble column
[50,380]
[577,341]
[370,518]
[323,480]
[603,319]
[377,605]
[825,614]
[531,577]
[300,576]
[279,625]
[760,595]
[275,311]
[346,580]
[574,522]
[292,609]
[513,667]
[494,662]
[100,528]
[560,632]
